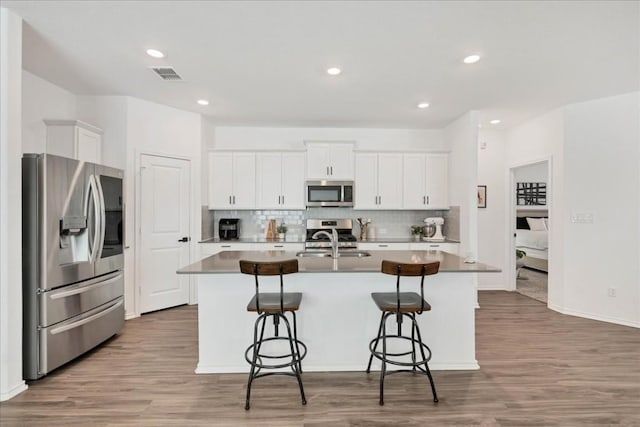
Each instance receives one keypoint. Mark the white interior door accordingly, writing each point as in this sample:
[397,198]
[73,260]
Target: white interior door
[164,232]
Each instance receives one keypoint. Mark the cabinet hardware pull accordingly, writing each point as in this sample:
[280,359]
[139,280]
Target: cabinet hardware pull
[230,200]
[279,199]
[331,170]
[225,246]
[424,200]
[234,200]
[278,246]
[283,200]
[383,246]
[327,170]
[427,199]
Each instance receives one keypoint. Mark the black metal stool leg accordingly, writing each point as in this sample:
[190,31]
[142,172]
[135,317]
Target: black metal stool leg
[295,337]
[294,354]
[376,344]
[413,341]
[426,364]
[383,369]
[256,350]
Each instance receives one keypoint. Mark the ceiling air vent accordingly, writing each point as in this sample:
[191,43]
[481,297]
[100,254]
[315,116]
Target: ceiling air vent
[167,73]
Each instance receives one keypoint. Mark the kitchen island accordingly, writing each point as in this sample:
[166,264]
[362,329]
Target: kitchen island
[337,317]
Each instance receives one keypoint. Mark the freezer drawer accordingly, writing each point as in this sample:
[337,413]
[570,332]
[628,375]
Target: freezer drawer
[67,340]
[63,303]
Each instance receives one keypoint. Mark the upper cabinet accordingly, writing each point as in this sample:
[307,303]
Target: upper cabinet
[74,139]
[426,181]
[232,180]
[330,160]
[280,180]
[378,181]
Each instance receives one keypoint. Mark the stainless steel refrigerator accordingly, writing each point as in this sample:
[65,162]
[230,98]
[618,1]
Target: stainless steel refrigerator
[72,272]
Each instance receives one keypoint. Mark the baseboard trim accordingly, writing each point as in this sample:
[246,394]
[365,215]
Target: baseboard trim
[600,318]
[463,366]
[22,386]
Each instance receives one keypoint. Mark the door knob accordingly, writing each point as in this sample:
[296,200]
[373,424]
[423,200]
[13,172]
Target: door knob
[184,239]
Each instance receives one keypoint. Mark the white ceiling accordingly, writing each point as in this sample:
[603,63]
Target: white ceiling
[263,63]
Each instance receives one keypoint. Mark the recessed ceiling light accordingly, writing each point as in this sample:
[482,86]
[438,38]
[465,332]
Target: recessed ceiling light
[471,59]
[423,105]
[203,102]
[494,122]
[334,71]
[155,53]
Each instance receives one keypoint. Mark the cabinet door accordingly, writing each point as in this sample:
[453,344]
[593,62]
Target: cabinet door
[437,189]
[88,145]
[366,181]
[317,161]
[269,180]
[292,181]
[389,181]
[220,180]
[414,179]
[244,181]
[372,246]
[341,161]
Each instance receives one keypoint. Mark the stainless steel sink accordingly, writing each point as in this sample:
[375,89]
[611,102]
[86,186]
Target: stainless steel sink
[319,254]
[354,254]
[327,254]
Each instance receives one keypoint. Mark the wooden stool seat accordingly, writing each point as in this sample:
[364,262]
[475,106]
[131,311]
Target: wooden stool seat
[270,302]
[410,302]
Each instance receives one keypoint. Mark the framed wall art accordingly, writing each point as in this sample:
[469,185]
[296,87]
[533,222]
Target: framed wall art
[531,193]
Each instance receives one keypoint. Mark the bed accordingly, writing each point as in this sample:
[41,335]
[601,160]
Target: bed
[532,237]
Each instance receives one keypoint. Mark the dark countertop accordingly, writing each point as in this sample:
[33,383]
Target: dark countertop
[300,239]
[227,262]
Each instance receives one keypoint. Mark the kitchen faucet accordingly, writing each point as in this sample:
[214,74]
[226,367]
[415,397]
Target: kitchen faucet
[333,237]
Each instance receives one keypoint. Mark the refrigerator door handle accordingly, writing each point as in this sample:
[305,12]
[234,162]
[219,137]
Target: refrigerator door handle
[95,239]
[103,219]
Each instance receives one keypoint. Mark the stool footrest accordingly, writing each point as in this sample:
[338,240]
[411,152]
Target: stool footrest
[248,354]
[414,342]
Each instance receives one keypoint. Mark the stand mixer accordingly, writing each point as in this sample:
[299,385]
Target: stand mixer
[434,222]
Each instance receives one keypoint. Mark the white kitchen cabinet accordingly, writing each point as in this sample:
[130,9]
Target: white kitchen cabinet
[280,180]
[278,246]
[378,181]
[74,139]
[425,181]
[207,249]
[232,180]
[332,161]
[452,248]
[372,246]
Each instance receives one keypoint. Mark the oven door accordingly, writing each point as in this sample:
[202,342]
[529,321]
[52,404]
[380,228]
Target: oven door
[329,193]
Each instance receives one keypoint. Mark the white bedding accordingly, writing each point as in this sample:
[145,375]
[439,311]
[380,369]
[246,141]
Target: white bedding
[532,239]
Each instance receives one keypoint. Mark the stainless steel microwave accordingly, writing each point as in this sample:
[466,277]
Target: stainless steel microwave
[329,193]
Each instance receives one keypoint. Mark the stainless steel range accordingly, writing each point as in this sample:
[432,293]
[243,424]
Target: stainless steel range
[344,228]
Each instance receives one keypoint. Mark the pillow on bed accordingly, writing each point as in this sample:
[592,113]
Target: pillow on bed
[536,224]
[521,223]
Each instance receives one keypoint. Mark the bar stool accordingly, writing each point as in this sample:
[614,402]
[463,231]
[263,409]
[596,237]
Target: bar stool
[274,305]
[401,305]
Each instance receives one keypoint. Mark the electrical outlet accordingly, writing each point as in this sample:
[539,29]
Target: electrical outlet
[611,292]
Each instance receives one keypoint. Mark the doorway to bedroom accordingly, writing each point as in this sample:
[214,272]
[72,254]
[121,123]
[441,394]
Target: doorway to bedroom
[531,190]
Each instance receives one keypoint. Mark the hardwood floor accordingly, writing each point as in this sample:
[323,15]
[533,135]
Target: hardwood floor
[538,368]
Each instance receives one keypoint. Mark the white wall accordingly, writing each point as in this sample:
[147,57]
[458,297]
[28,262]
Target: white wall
[109,113]
[11,382]
[493,239]
[42,100]
[261,138]
[461,136]
[601,151]
[538,140]
[537,172]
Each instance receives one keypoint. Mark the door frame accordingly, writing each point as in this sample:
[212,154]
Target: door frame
[511,213]
[137,288]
